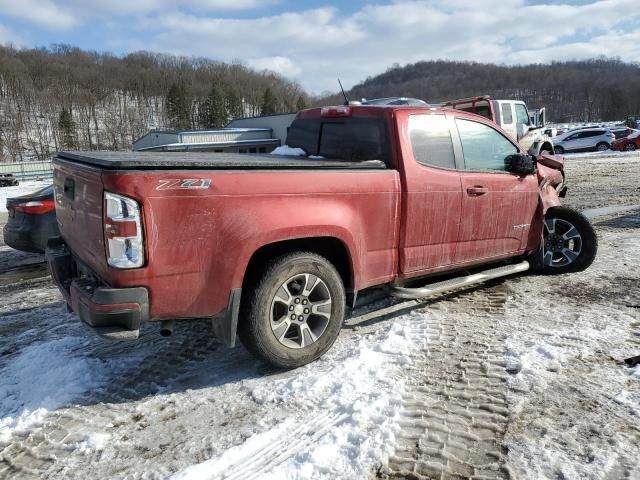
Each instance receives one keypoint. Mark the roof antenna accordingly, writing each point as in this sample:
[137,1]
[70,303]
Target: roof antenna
[346,99]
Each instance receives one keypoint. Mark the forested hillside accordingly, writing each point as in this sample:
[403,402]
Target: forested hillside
[592,90]
[66,98]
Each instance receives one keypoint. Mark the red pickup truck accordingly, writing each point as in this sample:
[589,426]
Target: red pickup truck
[275,248]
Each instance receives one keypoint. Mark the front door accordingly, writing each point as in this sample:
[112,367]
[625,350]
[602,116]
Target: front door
[498,207]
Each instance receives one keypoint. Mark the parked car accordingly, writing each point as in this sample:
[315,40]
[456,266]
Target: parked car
[8,180]
[584,140]
[32,220]
[622,132]
[629,143]
[276,247]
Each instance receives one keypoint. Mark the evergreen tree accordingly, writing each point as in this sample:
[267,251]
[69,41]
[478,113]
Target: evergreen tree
[178,111]
[288,106]
[67,128]
[213,112]
[301,104]
[269,103]
[234,105]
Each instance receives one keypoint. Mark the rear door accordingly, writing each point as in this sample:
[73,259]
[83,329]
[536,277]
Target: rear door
[431,194]
[498,207]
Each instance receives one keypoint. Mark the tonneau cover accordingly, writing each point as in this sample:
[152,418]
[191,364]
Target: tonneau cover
[208,161]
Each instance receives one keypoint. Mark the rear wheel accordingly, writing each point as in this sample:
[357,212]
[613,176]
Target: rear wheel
[569,243]
[630,147]
[558,150]
[295,312]
[602,147]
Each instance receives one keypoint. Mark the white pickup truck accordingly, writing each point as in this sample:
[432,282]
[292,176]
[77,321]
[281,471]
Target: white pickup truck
[513,116]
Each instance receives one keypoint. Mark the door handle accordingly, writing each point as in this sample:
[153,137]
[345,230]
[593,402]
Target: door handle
[477,190]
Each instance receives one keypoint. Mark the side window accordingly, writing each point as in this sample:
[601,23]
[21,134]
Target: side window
[507,116]
[575,136]
[484,148]
[521,114]
[431,140]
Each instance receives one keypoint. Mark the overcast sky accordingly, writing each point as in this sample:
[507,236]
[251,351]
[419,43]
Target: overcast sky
[314,42]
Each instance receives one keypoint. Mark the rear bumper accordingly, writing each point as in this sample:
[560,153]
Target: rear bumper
[29,233]
[113,312]
[20,240]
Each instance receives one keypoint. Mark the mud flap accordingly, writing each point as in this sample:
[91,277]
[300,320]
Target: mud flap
[225,324]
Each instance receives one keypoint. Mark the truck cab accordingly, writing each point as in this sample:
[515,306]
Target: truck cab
[514,117]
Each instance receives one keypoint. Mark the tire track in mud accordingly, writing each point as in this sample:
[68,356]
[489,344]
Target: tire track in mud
[455,408]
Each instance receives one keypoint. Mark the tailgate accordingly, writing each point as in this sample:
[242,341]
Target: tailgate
[79,200]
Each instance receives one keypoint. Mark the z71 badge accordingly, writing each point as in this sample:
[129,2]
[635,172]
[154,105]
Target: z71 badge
[183,184]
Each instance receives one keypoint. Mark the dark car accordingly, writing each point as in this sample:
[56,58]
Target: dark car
[8,180]
[32,220]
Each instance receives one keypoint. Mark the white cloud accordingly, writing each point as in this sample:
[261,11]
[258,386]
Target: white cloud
[323,44]
[41,12]
[8,36]
[64,14]
[282,65]
[318,45]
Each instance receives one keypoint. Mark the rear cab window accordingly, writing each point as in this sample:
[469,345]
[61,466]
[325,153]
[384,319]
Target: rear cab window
[431,140]
[349,138]
[507,115]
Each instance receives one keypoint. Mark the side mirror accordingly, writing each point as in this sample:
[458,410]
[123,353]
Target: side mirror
[520,163]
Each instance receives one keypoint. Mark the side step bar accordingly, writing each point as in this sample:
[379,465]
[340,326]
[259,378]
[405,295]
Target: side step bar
[458,283]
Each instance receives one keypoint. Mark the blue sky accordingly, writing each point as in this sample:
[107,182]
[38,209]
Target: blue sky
[313,42]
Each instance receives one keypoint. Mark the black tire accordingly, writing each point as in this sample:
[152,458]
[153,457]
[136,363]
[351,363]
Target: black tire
[258,304]
[553,256]
[602,147]
[630,147]
[558,150]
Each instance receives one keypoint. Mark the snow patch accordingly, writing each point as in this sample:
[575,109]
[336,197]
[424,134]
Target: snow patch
[93,442]
[290,151]
[43,377]
[359,398]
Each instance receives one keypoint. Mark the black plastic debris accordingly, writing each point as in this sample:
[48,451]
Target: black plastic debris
[632,361]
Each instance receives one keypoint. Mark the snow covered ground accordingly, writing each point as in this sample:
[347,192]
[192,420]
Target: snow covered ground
[522,378]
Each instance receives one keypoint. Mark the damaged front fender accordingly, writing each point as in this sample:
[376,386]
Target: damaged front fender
[551,179]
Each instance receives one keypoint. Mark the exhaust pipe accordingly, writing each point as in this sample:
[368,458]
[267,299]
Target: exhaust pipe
[166,328]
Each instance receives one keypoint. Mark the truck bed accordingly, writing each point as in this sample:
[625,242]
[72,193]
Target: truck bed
[210,161]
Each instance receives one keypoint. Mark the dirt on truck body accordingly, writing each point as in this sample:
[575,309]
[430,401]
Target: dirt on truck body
[275,248]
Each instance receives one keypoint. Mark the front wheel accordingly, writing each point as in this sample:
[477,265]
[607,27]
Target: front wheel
[569,243]
[602,147]
[630,147]
[558,150]
[295,312]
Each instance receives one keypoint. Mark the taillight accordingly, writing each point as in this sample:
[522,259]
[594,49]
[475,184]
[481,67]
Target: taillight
[123,231]
[339,111]
[35,207]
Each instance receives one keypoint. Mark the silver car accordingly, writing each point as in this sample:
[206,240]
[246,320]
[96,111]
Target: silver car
[584,140]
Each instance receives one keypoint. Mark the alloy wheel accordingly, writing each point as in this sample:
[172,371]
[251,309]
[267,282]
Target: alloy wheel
[300,310]
[562,242]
